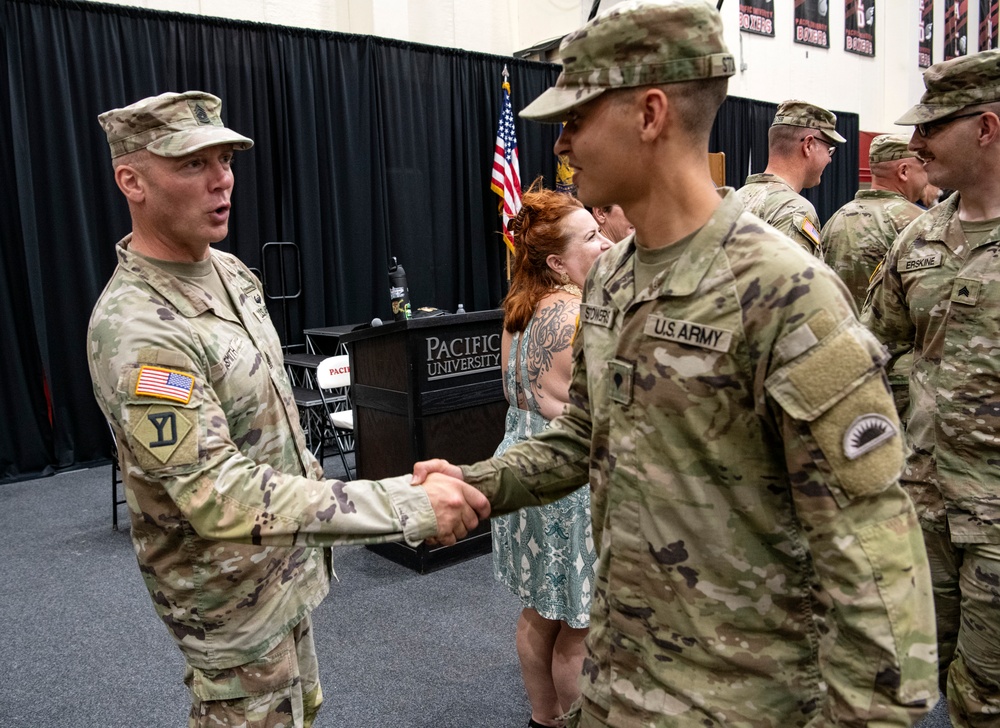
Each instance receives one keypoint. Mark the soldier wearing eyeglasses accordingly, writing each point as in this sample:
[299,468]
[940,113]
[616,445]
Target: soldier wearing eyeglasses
[800,145]
[937,293]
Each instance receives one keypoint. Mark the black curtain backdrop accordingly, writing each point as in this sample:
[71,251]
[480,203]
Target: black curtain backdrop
[365,148]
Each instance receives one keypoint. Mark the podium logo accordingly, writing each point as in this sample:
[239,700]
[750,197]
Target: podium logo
[462,356]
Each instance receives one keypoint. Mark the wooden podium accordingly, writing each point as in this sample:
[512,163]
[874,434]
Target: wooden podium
[425,388]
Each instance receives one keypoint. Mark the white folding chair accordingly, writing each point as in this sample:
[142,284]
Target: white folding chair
[333,380]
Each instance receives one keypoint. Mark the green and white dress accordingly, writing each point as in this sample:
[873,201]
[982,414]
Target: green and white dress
[545,555]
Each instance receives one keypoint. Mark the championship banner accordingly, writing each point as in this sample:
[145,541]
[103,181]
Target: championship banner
[989,15]
[925,37]
[956,28]
[859,27]
[757,16]
[812,22]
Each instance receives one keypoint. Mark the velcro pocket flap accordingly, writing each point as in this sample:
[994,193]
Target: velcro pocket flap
[817,379]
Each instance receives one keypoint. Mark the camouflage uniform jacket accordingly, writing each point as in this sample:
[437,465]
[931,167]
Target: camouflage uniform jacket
[855,240]
[940,297]
[775,202]
[749,572]
[858,235]
[225,498]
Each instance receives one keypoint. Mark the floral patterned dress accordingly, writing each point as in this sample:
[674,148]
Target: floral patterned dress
[545,555]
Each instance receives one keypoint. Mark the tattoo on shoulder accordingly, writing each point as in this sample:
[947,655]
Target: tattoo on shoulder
[551,332]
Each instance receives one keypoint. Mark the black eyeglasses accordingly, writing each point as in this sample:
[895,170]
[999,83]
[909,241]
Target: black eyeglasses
[831,148]
[931,128]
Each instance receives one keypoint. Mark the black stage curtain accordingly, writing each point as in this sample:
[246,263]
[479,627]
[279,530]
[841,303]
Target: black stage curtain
[365,148]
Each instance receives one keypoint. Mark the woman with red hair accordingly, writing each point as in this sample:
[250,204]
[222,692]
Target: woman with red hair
[546,555]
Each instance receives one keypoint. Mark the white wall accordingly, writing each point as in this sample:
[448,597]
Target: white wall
[773,69]
[878,89]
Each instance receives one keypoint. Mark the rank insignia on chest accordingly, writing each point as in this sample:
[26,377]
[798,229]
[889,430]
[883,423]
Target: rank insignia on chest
[164,384]
[620,384]
[965,291]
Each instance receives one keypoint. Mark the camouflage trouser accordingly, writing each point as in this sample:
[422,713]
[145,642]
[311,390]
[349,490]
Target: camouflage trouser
[279,690]
[966,580]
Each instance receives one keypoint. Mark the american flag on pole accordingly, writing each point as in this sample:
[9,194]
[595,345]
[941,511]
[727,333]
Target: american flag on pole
[506,178]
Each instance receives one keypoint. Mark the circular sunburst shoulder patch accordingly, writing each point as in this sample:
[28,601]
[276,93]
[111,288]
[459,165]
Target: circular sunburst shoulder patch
[866,433]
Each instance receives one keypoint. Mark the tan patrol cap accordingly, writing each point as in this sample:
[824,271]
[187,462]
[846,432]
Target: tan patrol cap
[637,43]
[889,148]
[955,84]
[169,125]
[810,116]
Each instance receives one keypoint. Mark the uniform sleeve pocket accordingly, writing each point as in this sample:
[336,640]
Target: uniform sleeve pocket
[837,389]
[894,549]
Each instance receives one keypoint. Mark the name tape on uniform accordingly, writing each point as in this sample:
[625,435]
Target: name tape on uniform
[687,332]
[597,315]
[925,261]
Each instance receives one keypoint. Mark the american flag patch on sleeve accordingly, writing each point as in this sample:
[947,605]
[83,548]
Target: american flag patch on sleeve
[165,384]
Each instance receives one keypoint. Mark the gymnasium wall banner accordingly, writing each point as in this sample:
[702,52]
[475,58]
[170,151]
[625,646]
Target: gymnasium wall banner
[757,16]
[956,28]
[859,27]
[812,22]
[989,16]
[925,36]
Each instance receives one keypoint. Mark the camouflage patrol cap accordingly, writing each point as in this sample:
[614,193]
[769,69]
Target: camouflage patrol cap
[637,43]
[889,148]
[810,116]
[169,125]
[953,85]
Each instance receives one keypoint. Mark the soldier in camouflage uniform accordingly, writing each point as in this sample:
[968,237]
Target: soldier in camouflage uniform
[800,145]
[936,294]
[758,563]
[227,504]
[857,236]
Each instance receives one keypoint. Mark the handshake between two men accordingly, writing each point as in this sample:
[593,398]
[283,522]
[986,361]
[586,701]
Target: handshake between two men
[458,506]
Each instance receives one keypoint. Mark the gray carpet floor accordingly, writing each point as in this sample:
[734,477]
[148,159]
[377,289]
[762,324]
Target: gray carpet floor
[82,647]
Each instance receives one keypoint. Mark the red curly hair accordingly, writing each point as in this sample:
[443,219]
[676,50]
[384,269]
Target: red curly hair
[537,232]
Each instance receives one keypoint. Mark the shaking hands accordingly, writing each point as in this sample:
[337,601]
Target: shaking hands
[458,506]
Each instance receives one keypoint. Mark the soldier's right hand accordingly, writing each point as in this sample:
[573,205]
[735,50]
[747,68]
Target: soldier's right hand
[457,506]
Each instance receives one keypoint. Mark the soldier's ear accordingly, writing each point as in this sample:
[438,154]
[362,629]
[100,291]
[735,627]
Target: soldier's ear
[656,109]
[989,128]
[130,182]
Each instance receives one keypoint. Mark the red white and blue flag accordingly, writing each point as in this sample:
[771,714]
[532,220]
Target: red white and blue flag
[506,178]
[165,384]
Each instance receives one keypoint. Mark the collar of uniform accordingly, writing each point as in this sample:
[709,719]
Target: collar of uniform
[876,195]
[186,299]
[686,274]
[764,178]
[942,217]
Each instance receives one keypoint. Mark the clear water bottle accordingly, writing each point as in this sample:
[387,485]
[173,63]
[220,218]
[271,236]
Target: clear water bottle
[399,293]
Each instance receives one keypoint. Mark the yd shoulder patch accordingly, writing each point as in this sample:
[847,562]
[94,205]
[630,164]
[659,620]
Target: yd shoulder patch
[688,332]
[162,432]
[164,384]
